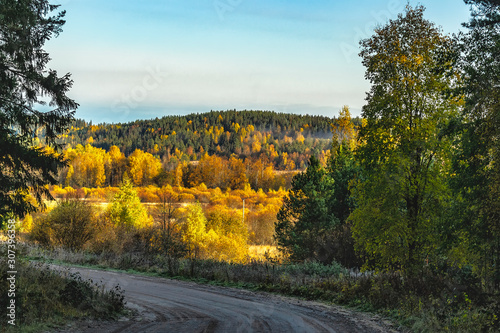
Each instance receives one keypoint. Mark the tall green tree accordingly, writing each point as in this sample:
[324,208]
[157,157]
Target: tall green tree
[410,66]
[341,165]
[477,160]
[343,169]
[33,101]
[306,221]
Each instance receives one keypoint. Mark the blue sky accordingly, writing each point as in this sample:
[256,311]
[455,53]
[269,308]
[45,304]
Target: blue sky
[134,59]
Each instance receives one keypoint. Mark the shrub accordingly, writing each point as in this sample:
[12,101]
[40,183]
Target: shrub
[71,224]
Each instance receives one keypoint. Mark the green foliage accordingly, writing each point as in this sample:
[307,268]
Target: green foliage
[343,168]
[126,209]
[312,221]
[71,225]
[476,162]
[306,220]
[25,26]
[403,155]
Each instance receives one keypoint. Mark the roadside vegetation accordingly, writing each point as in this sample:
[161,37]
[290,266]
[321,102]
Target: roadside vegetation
[57,296]
[439,299]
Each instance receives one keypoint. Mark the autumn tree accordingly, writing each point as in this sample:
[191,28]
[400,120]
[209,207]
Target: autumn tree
[410,66]
[226,223]
[143,167]
[260,172]
[237,174]
[168,237]
[227,235]
[88,166]
[343,129]
[194,230]
[71,225]
[261,221]
[117,167]
[25,26]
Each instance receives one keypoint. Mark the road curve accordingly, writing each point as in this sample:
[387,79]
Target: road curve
[164,305]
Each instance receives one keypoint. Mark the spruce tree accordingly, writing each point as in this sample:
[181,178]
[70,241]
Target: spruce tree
[33,104]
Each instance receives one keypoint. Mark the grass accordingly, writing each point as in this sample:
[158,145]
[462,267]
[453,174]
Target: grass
[47,299]
[262,252]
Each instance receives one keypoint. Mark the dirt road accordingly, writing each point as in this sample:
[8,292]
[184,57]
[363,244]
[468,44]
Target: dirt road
[164,305]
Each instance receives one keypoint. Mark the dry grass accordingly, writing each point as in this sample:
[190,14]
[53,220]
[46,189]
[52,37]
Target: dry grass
[263,252]
[46,297]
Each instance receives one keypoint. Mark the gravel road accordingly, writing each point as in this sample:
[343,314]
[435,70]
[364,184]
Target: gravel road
[162,305]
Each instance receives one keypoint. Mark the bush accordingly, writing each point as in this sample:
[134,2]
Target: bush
[71,224]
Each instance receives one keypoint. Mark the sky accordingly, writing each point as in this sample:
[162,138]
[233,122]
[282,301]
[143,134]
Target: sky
[133,59]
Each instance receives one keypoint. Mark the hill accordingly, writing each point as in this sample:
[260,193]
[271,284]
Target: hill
[222,133]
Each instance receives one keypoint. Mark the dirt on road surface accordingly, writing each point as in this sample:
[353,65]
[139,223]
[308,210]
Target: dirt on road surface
[162,305]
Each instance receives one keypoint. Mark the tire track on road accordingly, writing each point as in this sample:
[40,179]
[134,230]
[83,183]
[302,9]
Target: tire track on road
[163,305]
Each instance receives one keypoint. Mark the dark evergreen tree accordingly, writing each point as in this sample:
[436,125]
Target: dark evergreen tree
[33,101]
[343,169]
[306,220]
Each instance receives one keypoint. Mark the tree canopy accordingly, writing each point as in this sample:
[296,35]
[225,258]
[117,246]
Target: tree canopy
[411,67]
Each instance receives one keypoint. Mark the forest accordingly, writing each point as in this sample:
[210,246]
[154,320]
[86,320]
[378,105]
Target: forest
[283,138]
[395,212]
[219,149]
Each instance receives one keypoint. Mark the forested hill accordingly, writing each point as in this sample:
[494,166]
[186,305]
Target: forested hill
[244,133]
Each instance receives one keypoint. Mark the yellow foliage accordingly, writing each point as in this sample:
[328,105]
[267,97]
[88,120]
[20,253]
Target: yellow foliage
[27,224]
[143,167]
[231,248]
[87,166]
[262,252]
[193,230]
[343,129]
[300,137]
[186,197]
[256,146]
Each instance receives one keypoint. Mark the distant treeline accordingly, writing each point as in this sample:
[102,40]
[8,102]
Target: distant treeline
[283,138]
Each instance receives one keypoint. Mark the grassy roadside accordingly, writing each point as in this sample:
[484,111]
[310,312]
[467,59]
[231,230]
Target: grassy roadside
[426,303]
[46,299]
